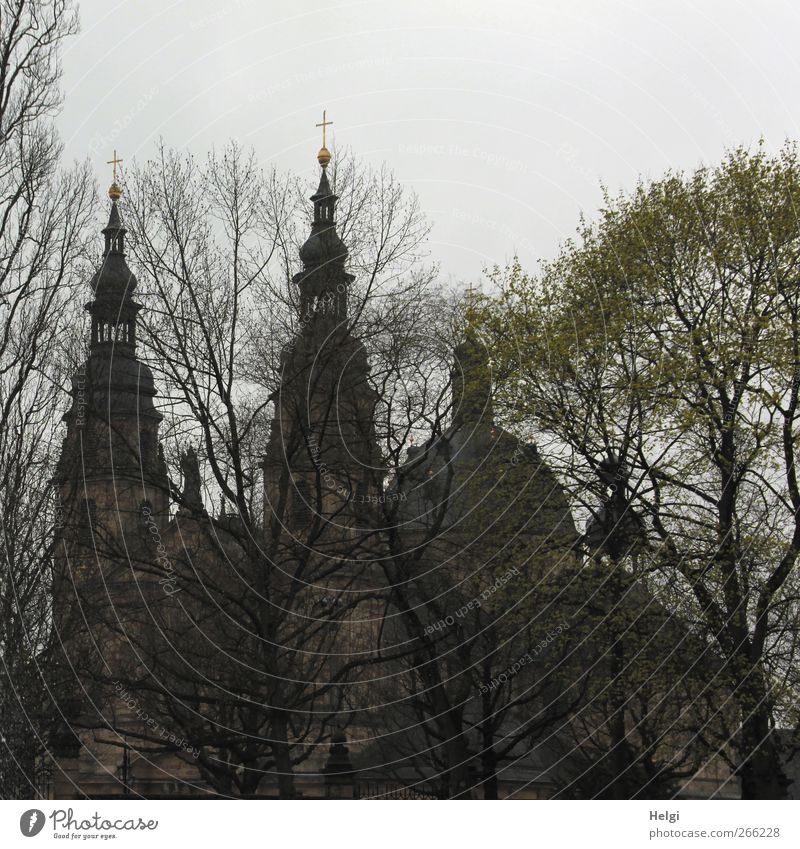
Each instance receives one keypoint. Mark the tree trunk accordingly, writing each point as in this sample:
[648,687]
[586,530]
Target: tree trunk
[283,760]
[489,769]
[458,783]
[761,773]
[619,759]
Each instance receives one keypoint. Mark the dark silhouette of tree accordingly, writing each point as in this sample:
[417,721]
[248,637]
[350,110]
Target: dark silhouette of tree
[43,216]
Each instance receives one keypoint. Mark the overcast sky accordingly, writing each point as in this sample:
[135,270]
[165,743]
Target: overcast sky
[503,116]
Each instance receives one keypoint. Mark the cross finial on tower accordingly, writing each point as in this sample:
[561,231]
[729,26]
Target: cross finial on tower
[114,192]
[116,162]
[324,124]
[324,155]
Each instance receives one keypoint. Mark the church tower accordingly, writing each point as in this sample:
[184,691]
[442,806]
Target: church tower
[322,464]
[112,496]
[323,478]
[110,459]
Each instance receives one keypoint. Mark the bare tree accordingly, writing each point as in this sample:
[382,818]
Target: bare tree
[43,218]
[213,245]
[475,532]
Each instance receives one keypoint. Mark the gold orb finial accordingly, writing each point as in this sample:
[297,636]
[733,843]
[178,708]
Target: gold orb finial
[324,155]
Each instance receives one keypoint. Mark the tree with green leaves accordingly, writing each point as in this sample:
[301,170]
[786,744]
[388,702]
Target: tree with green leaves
[667,336]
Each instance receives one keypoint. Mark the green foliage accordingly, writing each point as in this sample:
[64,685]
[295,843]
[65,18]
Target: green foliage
[667,333]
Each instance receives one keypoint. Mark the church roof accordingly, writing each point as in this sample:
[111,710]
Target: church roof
[323,245]
[113,283]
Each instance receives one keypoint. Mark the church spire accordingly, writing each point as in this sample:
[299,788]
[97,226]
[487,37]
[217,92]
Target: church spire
[323,283]
[113,390]
[324,199]
[113,309]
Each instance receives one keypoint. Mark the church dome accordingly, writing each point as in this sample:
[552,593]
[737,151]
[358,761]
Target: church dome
[481,491]
[113,279]
[323,246]
[123,372]
[485,478]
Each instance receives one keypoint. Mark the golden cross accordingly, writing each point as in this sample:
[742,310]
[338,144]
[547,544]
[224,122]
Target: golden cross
[324,125]
[116,161]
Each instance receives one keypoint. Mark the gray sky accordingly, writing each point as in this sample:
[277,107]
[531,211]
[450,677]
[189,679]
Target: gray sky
[504,116]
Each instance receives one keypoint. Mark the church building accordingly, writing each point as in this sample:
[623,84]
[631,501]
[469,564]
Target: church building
[152,591]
